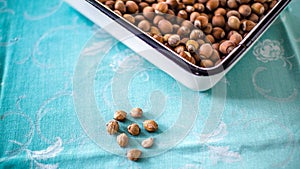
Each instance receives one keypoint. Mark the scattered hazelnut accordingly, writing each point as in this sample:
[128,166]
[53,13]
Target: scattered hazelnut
[208,28]
[218,33]
[150,125]
[122,140]
[147,143]
[220,11]
[258,8]
[120,115]
[134,129]
[136,112]
[212,4]
[134,154]
[218,20]
[112,127]
[201,22]
[234,22]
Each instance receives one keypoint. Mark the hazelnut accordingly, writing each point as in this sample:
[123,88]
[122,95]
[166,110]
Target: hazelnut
[148,12]
[183,31]
[110,4]
[215,46]
[210,38]
[134,154]
[142,5]
[199,7]
[206,63]
[208,28]
[192,46]
[182,14]
[201,22]
[188,24]
[234,22]
[120,115]
[118,12]
[136,112]
[220,11]
[175,27]
[165,26]
[179,49]
[120,6]
[131,7]
[248,25]
[172,3]
[245,10]
[134,129]
[243,1]
[112,127]
[187,56]
[258,8]
[157,18]
[218,20]
[139,18]
[161,8]
[218,33]
[215,56]
[166,37]
[232,4]
[154,30]
[253,17]
[206,50]
[174,40]
[122,140]
[196,34]
[233,13]
[159,38]
[147,143]
[189,9]
[188,2]
[184,40]
[193,16]
[226,47]
[236,38]
[212,4]
[150,125]
[261,1]
[129,18]
[144,25]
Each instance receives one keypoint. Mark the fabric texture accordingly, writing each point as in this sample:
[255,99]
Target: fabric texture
[62,78]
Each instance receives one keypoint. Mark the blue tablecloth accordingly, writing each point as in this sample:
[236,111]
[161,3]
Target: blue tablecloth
[62,78]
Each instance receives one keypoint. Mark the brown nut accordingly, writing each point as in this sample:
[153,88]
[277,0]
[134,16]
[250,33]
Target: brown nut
[236,38]
[172,3]
[120,115]
[201,22]
[142,5]
[187,56]
[212,4]
[148,12]
[210,38]
[215,56]
[165,26]
[206,63]
[232,4]
[218,33]
[226,47]
[122,140]
[139,18]
[144,25]
[179,49]
[136,112]
[120,6]
[112,127]
[190,9]
[258,8]
[218,20]
[110,4]
[183,31]
[220,11]
[129,18]
[234,22]
[118,12]
[208,28]
[174,40]
[131,7]
[134,129]
[188,2]
[248,25]
[188,24]
[157,18]
[192,46]
[154,31]
[193,16]
[134,154]
[206,50]
[245,10]
[253,17]
[196,34]
[199,7]
[161,8]
[243,1]
[150,125]
[233,13]
[182,14]
[159,38]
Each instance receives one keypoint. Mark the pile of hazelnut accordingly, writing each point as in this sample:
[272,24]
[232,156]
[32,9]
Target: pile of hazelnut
[113,126]
[201,31]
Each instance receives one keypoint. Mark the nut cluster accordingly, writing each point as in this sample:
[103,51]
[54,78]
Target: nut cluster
[113,127]
[201,31]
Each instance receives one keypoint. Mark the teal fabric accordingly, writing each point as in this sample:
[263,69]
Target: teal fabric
[62,78]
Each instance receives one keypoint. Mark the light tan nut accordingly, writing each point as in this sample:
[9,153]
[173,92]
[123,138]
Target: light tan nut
[136,112]
[120,115]
[134,129]
[147,143]
[134,154]
[150,125]
[112,127]
[122,140]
